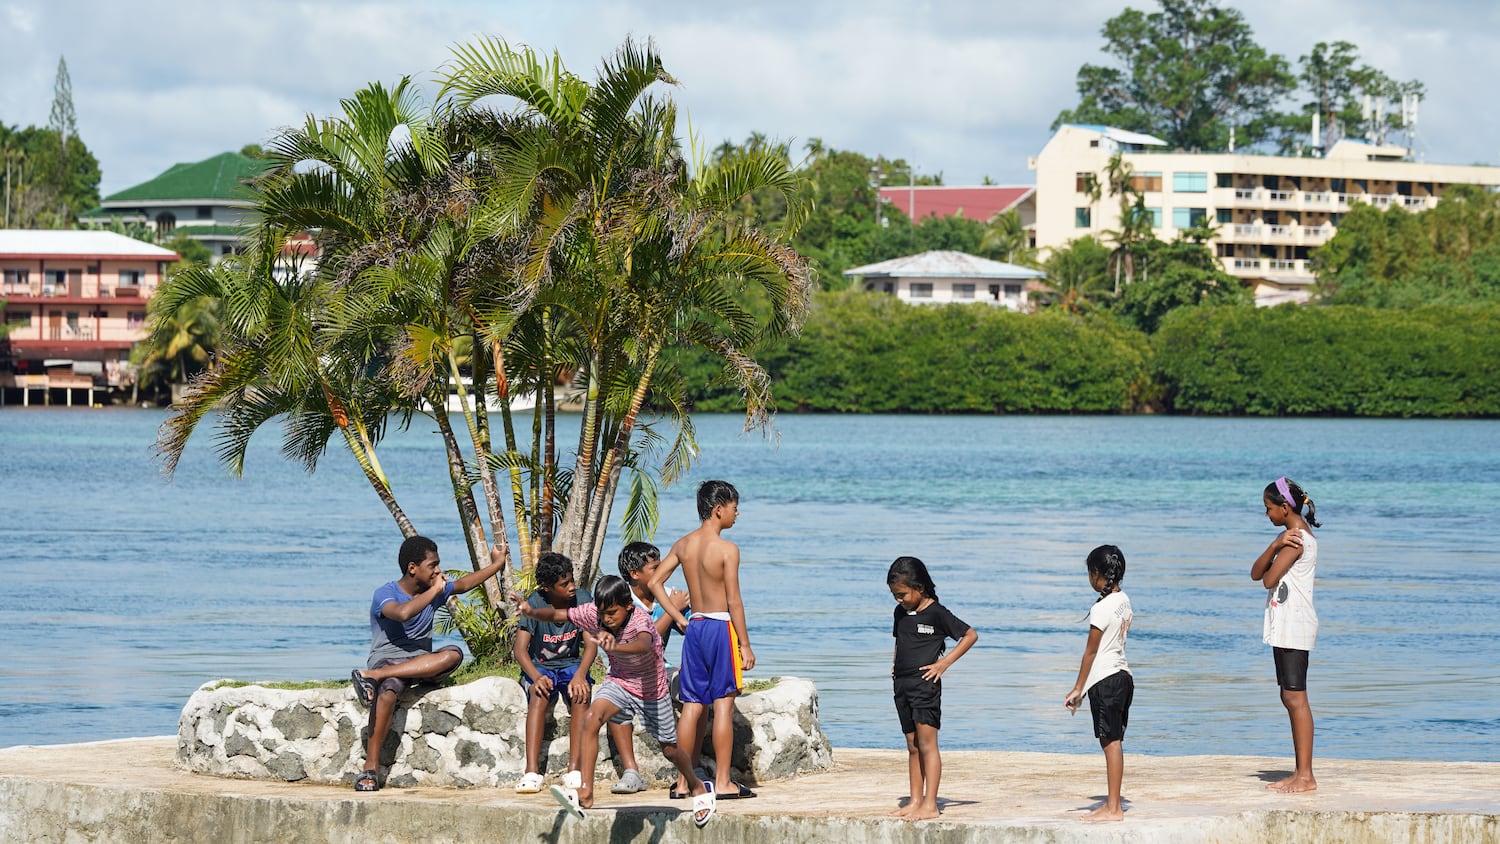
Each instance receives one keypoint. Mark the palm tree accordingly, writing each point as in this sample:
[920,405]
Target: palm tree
[623,258]
[1006,237]
[1078,274]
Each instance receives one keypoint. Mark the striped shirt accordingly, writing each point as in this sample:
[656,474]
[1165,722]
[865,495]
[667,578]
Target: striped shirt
[643,675]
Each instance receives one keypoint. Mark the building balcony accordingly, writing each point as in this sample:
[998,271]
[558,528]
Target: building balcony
[1277,234]
[1326,201]
[1260,266]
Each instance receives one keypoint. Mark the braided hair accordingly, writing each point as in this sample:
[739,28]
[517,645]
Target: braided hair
[1299,500]
[1107,561]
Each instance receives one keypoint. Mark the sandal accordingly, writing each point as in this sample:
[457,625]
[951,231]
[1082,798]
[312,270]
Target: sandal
[366,781]
[705,805]
[364,688]
[568,799]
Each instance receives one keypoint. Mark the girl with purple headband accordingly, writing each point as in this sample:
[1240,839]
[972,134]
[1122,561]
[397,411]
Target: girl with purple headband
[1286,569]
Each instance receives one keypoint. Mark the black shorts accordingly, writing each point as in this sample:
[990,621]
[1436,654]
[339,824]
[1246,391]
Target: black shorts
[918,701]
[1109,701]
[1291,669]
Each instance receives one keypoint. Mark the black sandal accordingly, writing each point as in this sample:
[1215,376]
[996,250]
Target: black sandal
[364,689]
[366,781]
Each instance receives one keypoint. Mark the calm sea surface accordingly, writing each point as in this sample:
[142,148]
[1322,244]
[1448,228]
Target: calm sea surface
[128,592]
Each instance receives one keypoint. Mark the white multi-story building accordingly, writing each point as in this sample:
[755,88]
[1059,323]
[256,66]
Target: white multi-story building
[1269,211]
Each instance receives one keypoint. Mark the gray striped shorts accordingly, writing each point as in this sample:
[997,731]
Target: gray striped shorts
[657,717]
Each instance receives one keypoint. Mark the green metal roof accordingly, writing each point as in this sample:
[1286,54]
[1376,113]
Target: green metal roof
[206,231]
[221,177]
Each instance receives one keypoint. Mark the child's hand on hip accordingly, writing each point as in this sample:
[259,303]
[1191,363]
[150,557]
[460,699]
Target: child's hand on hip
[931,673]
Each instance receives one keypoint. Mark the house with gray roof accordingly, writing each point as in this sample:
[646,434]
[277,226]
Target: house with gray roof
[948,277]
[206,200]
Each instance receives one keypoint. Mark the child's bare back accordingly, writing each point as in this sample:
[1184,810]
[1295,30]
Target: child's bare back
[704,555]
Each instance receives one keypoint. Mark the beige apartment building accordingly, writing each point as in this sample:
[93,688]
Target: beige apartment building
[1270,211]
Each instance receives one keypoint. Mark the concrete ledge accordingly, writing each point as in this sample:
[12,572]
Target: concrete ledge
[131,791]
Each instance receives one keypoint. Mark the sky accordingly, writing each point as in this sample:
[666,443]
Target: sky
[962,88]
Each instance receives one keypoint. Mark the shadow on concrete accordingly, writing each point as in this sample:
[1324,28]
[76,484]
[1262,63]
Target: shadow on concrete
[632,825]
[1273,776]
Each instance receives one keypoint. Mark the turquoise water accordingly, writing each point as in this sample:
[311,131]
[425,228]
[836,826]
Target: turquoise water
[128,592]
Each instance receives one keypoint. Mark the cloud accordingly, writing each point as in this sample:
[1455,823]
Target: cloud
[964,88]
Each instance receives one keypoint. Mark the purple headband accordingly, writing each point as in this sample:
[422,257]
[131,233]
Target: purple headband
[1286,493]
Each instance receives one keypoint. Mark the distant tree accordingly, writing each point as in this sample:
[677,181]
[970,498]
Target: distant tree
[1351,99]
[252,151]
[1187,74]
[1078,275]
[1182,273]
[63,120]
[1006,239]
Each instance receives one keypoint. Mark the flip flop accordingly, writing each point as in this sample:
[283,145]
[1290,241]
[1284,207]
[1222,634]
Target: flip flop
[568,799]
[706,804]
[359,781]
[741,792]
[674,794]
[364,688]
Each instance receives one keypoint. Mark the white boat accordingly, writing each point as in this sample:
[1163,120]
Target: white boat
[518,404]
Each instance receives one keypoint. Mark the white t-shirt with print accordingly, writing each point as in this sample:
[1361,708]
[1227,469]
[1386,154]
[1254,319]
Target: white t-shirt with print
[1291,620]
[1111,615]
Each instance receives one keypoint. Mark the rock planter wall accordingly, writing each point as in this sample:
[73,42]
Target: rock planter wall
[463,736]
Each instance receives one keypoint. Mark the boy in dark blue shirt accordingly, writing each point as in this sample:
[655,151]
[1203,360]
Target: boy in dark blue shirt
[554,656]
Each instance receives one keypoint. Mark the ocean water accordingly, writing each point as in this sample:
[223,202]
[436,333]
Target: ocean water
[128,592]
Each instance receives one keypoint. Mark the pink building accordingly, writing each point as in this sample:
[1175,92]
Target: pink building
[75,304]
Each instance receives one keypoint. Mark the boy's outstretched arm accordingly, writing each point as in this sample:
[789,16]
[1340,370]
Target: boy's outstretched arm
[498,553]
[736,606]
[552,614]
[658,585]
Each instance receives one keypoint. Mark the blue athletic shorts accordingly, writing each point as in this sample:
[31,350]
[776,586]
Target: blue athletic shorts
[561,677]
[711,666]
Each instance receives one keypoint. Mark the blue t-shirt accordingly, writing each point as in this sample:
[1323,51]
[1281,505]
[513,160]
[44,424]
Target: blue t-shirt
[392,639]
[554,645]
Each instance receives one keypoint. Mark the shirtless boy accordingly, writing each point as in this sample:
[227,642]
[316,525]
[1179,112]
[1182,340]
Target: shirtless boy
[716,646]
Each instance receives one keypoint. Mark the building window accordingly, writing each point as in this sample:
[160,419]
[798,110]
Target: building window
[226,249]
[130,278]
[995,292]
[17,277]
[1190,182]
[1186,218]
[1012,291]
[18,319]
[1226,180]
[135,320]
[1148,213]
[1083,182]
[963,291]
[165,222]
[1224,215]
[1083,217]
[1145,182]
[921,291]
[205,212]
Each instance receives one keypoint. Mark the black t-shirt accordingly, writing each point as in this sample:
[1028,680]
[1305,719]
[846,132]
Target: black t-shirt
[920,636]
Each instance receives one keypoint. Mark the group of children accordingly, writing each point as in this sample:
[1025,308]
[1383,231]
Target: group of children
[630,617]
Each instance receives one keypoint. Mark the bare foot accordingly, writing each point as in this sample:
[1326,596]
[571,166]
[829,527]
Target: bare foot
[1295,784]
[1105,813]
[586,797]
[922,813]
[900,813]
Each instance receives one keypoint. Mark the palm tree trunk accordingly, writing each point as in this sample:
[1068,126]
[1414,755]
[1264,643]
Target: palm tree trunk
[598,516]
[547,393]
[463,498]
[570,538]
[364,454]
[482,451]
[517,490]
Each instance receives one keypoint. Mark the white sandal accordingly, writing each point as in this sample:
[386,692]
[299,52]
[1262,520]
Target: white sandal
[568,799]
[706,803]
[530,784]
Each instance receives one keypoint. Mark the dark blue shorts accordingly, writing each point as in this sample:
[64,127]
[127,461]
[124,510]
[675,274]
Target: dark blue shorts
[561,677]
[711,666]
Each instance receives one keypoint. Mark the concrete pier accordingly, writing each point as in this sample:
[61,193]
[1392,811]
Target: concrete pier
[130,791]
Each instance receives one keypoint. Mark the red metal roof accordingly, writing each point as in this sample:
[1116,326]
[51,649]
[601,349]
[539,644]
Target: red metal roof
[976,203]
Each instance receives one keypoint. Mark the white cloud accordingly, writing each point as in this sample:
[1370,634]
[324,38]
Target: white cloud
[963,88]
